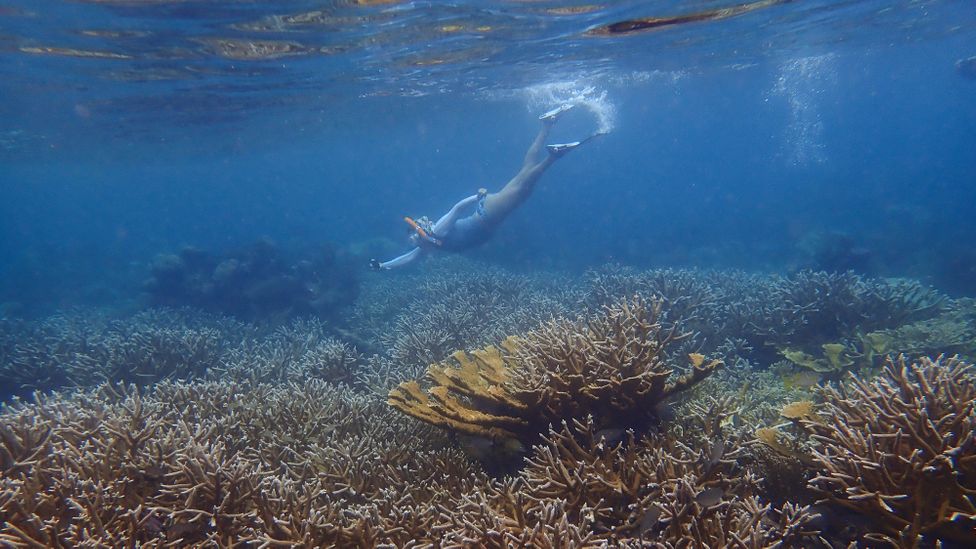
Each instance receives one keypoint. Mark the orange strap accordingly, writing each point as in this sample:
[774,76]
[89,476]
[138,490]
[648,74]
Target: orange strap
[420,231]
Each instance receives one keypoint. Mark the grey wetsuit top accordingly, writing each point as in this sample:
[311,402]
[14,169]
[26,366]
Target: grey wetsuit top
[467,233]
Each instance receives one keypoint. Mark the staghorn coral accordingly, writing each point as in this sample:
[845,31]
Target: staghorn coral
[683,291]
[267,453]
[689,299]
[423,338]
[143,353]
[952,331]
[80,348]
[614,366]
[380,375]
[901,450]
[829,306]
[765,312]
[896,301]
[469,309]
[209,464]
[301,349]
[739,316]
[37,354]
[216,464]
[655,492]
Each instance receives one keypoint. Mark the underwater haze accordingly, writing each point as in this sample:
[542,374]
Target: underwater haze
[711,282]
[761,137]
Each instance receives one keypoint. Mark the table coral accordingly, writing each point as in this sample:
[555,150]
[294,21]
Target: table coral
[614,366]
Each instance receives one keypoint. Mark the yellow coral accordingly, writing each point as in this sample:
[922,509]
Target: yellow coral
[612,367]
[801,410]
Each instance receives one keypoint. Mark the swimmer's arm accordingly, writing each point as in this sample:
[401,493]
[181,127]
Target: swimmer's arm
[403,260]
[446,222]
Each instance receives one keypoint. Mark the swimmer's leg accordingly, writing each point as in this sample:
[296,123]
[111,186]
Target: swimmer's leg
[517,190]
[532,156]
[535,149]
[498,205]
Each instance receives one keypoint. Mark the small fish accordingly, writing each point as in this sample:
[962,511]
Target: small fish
[486,449]
[801,380]
[664,411]
[718,450]
[649,520]
[710,496]
[477,447]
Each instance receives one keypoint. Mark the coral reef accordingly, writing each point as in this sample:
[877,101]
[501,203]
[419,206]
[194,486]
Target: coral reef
[257,282]
[953,332]
[83,349]
[465,307]
[216,464]
[300,350]
[402,326]
[614,366]
[611,430]
[655,491]
[456,311]
[901,450]
[767,313]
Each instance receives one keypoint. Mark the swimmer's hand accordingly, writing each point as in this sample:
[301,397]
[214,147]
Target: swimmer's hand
[374,264]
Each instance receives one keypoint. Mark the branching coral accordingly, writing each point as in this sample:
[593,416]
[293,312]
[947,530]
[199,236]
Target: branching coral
[683,292]
[829,306]
[901,449]
[216,464]
[468,310]
[299,350]
[653,492]
[952,331]
[802,311]
[78,349]
[614,367]
[268,452]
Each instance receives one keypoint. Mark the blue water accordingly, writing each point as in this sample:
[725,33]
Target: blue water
[757,140]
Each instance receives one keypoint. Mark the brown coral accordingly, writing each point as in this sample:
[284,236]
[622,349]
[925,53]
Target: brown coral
[313,465]
[655,490]
[216,464]
[901,450]
[614,367]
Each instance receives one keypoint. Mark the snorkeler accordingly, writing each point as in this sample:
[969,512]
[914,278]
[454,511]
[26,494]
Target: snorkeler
[453,233]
